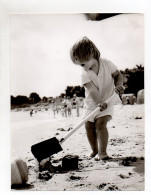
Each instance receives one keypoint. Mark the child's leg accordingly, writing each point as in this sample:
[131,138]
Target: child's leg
[92,137]
[77,108]
[65,112]
[70,111]
[102,135]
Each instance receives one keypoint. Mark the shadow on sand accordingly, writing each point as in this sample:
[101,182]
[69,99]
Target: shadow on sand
[22,187]
[131,161]
[137,163]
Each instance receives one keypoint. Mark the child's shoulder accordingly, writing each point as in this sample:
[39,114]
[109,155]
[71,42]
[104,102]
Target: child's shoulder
[104,60]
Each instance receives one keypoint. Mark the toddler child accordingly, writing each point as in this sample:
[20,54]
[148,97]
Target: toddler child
[100,78]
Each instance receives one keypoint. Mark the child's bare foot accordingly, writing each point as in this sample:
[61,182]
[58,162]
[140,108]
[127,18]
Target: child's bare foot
[91,155]
[102,157]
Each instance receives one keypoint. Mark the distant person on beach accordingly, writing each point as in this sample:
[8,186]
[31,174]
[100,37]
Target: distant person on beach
[77,104]
[62,111]
[69,106]
[64,106]
[31,113]
[100,78]
[54,108]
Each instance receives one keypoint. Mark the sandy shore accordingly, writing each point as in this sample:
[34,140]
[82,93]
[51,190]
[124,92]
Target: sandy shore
[126,139]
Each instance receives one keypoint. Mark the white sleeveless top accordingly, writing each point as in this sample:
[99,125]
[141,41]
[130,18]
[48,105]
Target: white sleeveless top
[103,81]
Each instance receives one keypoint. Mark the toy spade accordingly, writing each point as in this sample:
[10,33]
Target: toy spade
[51,146]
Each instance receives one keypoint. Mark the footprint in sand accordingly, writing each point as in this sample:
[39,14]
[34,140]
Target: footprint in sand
[45,175]
[116,141]
[74,177]
[124,176]
[108,187]
[128,161]
[79,185]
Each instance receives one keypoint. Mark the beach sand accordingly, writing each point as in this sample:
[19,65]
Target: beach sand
[120,173]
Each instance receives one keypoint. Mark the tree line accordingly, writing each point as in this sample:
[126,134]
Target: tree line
[21,99]
[133,79]
[133,82]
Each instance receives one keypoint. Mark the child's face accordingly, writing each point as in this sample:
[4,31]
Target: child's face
[87,65]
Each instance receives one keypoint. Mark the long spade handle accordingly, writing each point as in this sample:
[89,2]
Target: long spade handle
[86,119]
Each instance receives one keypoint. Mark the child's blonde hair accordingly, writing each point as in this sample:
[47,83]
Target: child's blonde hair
[83,50]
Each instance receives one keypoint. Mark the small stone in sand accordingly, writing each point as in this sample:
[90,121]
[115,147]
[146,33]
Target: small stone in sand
[61,129]
[70,128]
[138,117]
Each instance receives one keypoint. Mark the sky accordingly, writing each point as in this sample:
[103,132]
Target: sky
[40,45]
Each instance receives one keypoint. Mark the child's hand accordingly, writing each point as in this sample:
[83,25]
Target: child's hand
[119,89]
[103,106]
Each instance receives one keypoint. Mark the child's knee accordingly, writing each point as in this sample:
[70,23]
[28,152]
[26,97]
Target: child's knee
[89,126]
[101,123]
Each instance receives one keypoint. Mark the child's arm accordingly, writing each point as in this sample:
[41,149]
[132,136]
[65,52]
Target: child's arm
[93,92]
[118,81]
[95,95]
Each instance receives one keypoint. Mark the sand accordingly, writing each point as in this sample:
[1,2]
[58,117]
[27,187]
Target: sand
[126,139]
